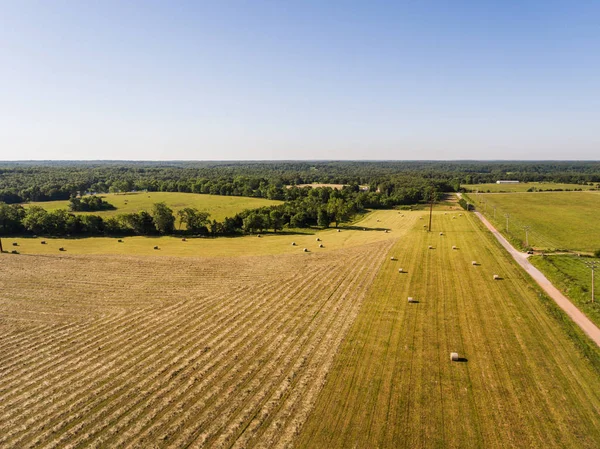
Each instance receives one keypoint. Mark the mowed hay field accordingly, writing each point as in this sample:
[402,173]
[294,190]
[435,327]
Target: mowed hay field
[315,350]
[522,382]
[218,206]
[558,220]
[523,187]
[368,229]
[116,351]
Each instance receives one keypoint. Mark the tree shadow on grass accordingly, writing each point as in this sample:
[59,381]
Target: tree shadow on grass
[363,228]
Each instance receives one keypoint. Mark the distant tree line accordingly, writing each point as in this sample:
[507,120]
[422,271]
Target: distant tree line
[34,181]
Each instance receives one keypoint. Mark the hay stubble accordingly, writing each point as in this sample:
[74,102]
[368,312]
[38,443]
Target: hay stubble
[219,352]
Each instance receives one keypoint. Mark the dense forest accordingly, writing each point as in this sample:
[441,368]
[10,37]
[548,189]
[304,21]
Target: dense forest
[385,185]
[36,181]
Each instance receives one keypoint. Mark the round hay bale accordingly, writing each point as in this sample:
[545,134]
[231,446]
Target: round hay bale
[120,241]
[14,251]
[411,299]
[43,242]
[386,231]
[305,250]
[453,247]
[400,270]
[474,262]
[430,247]
[156,247]
[441,233]
[318,239]
[184,239]
[321,246]
[496,277]
[454,356]
[61,249]
[259,236]
[293,243]
[392,258]
[339,230]
[15,244]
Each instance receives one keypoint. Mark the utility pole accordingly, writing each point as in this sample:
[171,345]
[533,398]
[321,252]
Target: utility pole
[507,217]
[526,235]
[593,266]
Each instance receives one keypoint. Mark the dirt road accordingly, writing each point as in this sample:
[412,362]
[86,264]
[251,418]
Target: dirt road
[563,302]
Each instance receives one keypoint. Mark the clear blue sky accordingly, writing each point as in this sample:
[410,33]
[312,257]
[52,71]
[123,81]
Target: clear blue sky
[161,80]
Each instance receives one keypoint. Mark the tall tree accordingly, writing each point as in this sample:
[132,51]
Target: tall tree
[37,221]
[195,221]
[339,210]
[253,222]
[163,218]
[323,218]
[276,220]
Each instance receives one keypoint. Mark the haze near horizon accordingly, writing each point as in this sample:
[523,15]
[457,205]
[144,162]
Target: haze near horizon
[280,81]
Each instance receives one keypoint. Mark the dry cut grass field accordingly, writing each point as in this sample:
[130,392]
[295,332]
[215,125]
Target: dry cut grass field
[109,351]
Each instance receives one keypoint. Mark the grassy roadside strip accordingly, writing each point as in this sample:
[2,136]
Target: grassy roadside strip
[573,279]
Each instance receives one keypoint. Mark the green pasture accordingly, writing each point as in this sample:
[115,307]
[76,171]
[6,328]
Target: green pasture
[522,381]
[218,206]
[523,187]
[557,220]
[569,274]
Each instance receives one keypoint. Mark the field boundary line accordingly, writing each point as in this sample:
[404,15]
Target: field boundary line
[586,325]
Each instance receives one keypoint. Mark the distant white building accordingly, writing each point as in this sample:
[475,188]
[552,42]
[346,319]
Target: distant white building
[507,182]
